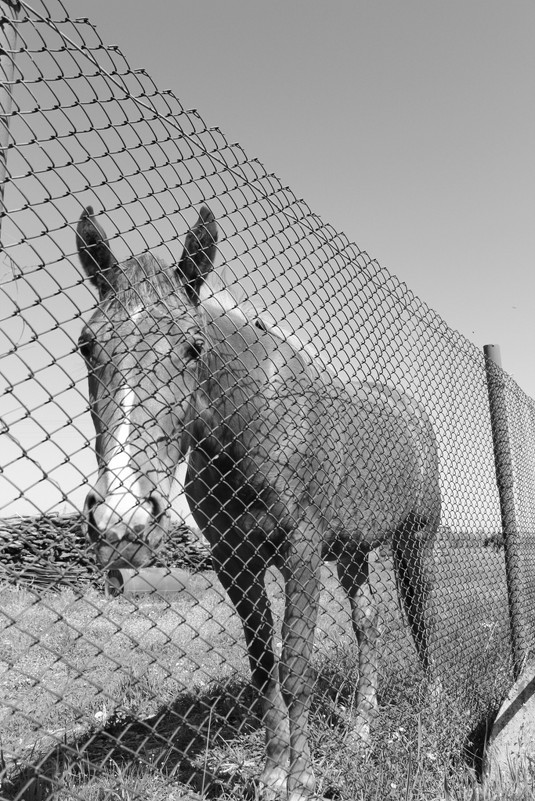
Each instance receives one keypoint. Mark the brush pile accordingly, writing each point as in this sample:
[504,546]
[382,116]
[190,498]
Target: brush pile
[51,550]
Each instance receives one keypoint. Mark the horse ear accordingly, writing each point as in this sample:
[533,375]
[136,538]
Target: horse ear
[94,251]
[199,253]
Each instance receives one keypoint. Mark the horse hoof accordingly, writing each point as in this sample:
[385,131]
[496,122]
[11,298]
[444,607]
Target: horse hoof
[358,738]
[275,788]
[271,786]
[435,694]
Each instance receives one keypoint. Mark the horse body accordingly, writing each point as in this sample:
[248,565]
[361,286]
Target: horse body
[271,435]
[287,466]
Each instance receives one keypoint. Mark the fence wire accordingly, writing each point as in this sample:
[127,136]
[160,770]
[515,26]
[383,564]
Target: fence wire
[108,688]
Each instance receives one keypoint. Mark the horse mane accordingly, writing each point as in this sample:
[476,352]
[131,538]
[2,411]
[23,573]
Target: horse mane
[142,281]
[219,300]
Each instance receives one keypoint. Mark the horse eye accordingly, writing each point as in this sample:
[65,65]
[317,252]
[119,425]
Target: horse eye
[85,346]
[194,349]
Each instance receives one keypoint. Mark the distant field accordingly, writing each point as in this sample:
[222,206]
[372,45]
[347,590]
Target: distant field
[160,687]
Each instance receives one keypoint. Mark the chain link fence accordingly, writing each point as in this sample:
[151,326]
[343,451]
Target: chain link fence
[128,683]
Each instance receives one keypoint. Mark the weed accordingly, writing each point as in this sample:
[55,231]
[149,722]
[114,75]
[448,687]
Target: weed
[125,699]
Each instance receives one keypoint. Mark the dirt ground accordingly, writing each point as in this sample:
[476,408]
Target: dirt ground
[511,750]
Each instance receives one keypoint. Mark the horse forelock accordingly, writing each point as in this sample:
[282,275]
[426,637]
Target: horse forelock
[142,282]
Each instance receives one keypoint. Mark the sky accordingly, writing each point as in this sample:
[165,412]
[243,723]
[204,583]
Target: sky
[408,126]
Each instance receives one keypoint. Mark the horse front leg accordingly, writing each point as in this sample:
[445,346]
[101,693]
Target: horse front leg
[353,574]
[302,575]
[243,579]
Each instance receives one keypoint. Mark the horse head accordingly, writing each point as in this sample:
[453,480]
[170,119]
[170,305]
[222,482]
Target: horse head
[141,348]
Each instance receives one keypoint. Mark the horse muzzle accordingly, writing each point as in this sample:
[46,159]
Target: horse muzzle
[125,531]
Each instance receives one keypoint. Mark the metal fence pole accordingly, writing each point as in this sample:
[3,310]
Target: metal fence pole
[504,478]
[9,10]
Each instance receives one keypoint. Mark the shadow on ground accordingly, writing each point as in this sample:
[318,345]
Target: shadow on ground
[175,742]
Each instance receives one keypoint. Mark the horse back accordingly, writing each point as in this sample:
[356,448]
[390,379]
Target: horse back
[377,461]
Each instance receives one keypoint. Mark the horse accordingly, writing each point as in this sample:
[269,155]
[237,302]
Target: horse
[287,466]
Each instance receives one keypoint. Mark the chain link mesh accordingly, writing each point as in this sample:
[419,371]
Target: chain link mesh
[106,686]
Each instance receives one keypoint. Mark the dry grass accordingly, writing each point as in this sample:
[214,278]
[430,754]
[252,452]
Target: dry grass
[150,698]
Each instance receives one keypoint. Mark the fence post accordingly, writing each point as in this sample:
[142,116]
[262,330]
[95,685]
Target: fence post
[9,10]
[504,479]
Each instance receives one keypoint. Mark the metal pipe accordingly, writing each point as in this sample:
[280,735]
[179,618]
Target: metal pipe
[157,580]
[505,482]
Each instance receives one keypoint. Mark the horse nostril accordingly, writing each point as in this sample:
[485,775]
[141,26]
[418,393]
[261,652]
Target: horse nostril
[159,506]
[91,500]
[94,511]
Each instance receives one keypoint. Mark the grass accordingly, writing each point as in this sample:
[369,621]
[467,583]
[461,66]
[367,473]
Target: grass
[110,698]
